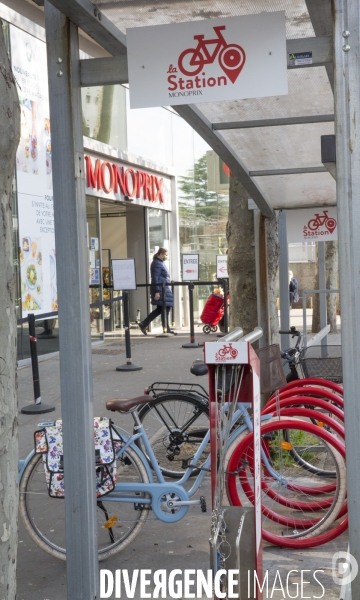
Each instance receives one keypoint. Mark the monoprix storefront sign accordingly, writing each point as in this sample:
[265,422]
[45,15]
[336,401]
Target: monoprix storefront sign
[207,61]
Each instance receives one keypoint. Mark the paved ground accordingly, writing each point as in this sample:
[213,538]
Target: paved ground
[183,545]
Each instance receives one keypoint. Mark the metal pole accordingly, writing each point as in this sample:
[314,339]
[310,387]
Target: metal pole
[284,282]
[192,343]
[226,308]
[129,365]
[74,315]
[346,15]
[37,407]
[322,286]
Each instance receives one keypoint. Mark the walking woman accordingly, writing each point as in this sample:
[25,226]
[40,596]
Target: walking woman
[159,274]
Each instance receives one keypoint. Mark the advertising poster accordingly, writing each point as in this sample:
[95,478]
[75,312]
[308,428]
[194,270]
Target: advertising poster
[34,176]
[207,61]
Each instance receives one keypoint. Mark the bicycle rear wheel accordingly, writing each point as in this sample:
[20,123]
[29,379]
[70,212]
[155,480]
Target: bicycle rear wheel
[175,425]
[44,517]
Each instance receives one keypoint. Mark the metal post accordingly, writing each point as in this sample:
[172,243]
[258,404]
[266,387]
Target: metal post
[74,315]
[284,282]
[129,365]
[226,307]
[37,407]
[261,277]
[346,16]
[192,343]
[322,286]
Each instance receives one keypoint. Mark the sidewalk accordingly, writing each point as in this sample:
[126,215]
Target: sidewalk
[183,545]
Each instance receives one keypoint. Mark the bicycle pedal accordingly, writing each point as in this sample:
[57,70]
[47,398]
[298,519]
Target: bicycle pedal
[203,504]
[185,463]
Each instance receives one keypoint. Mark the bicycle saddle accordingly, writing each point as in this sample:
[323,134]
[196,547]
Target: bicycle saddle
[125,404]
[198,368]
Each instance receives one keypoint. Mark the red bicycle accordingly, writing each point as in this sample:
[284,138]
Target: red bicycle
[231,56]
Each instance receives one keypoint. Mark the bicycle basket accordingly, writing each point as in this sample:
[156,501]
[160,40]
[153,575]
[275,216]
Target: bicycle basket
[322,361]
[272,376]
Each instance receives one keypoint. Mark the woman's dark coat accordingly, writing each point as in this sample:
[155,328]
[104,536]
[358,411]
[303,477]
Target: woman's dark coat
[160,273]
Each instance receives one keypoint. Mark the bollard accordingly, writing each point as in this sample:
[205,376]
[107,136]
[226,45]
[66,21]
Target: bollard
[37,408]
[163,312]
[192,343]
[129,365]
[226,308]
[173,306]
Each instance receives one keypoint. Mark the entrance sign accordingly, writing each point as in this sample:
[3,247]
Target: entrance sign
[124,276]
[190,267]
[208,61]
[221,266]
[312,225]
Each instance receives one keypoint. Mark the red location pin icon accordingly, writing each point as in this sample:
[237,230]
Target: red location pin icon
[232,59]
[330,224]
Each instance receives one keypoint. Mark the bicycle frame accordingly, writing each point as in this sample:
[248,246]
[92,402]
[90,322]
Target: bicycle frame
[157,490]
[161,488]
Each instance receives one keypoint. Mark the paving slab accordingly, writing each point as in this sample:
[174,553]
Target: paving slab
[183,545]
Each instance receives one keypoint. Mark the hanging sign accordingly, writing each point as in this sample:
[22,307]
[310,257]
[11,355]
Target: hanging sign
[221,266]
[190,267]
[207,61]
[124,276]
[311,225]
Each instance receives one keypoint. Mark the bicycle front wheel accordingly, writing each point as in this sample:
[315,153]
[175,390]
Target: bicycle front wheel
[175,425]
[44,517]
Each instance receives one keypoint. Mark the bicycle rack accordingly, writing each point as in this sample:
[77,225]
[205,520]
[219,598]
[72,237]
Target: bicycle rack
[238,527]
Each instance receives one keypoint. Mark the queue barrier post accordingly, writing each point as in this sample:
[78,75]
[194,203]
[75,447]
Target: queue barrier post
[163,312]
[129,365]
[37,408]
[192,343]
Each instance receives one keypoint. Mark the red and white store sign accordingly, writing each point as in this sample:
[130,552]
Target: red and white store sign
[113,180]
[207,61]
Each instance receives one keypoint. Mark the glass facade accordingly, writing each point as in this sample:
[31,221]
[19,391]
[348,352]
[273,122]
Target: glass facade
[161,136]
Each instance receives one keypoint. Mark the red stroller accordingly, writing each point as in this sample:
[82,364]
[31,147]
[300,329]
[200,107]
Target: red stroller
[212,312]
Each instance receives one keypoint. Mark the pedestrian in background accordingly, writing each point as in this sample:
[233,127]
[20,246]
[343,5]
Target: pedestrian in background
[293,289]
[159,274]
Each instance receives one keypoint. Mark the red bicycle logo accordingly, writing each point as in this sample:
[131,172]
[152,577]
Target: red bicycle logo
[226,352]
[322,221]
[231,56]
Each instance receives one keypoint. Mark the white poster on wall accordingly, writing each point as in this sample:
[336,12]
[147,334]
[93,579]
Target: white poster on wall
[124,275]
[221,266]
[34,176]
[190,267]
[311,225]
[207,61]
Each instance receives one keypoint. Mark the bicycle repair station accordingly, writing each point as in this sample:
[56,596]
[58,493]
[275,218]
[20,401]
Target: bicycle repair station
[226,477]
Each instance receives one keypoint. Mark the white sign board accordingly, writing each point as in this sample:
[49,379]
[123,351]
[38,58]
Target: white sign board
[207,61]
[190,267]
[34,176]
[223,352]
[221,266]
[311,225]
[124,276]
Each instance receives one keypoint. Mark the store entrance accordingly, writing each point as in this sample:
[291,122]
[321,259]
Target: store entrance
[123,235]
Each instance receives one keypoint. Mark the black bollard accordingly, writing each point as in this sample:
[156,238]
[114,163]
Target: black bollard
[129,365]
[37,408]
[192,343]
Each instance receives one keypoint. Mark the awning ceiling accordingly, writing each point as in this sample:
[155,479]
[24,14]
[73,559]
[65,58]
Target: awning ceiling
[310,93]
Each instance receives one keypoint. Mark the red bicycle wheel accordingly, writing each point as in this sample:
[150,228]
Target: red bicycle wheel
[240,489]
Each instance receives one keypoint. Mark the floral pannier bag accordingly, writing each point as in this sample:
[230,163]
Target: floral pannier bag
[49,443]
